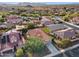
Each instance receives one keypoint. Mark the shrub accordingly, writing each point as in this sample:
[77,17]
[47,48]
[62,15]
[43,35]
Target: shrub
[2,20]
[64,43]
[31,25]
[66,18]
[47,30]
[25,15]
[19,53]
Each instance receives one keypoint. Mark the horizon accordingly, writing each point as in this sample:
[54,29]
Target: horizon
[49,3]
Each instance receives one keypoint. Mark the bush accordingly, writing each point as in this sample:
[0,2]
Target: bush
[2,20]
[47,30]
[64,43]
[66,18]
[19,53]
[31,25]
[34,45]
[25,15]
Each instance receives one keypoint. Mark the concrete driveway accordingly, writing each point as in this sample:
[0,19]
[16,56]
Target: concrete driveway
[52,48]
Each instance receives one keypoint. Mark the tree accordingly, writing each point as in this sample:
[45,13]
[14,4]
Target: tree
[74,15]
[12,12]
[31,25]
[3,16]
[34,45]
[25,15]
[2,20]
[19,53]
[66,18]
[34,15]
[24,30]
[40,18]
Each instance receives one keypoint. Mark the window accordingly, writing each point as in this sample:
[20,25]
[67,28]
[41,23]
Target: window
[8,40]
[3,40]
[20,36]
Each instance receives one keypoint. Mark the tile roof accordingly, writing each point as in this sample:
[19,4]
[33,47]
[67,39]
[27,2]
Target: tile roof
[13,19]
[66,33]
[55,27]
[11,38]
[46,21]
[40,34]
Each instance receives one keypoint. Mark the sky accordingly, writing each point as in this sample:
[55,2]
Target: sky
[62,2]
[39,0]
[49,3]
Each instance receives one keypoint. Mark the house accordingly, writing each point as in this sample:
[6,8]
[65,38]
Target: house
[18,27]
[6,25]
[75,20]
[35,21]
[40,34]
[10,39]
[45,21]
[14,19]
[3,26]
[65,33]
[55,27]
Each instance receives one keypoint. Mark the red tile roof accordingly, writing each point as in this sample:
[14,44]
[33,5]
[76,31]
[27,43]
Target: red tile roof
[13,19]
[40,34]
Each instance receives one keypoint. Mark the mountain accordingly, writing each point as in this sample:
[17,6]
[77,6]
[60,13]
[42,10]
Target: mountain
[32,4]
[21,4]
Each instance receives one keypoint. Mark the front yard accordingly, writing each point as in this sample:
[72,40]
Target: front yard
[33,47]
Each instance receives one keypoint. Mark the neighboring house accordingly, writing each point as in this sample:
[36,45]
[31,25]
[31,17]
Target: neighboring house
[6,25]
[40,34]
[55,27]
[14,19]
[35,21]
[65,33]
[75,20]
[3,26]
[18,27]
[10,39]
[45,21]
[77,31]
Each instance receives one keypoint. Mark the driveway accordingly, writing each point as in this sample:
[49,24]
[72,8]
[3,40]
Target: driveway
[52,48]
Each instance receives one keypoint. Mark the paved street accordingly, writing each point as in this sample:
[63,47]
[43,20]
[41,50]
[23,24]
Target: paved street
[71,53]
[67,23]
